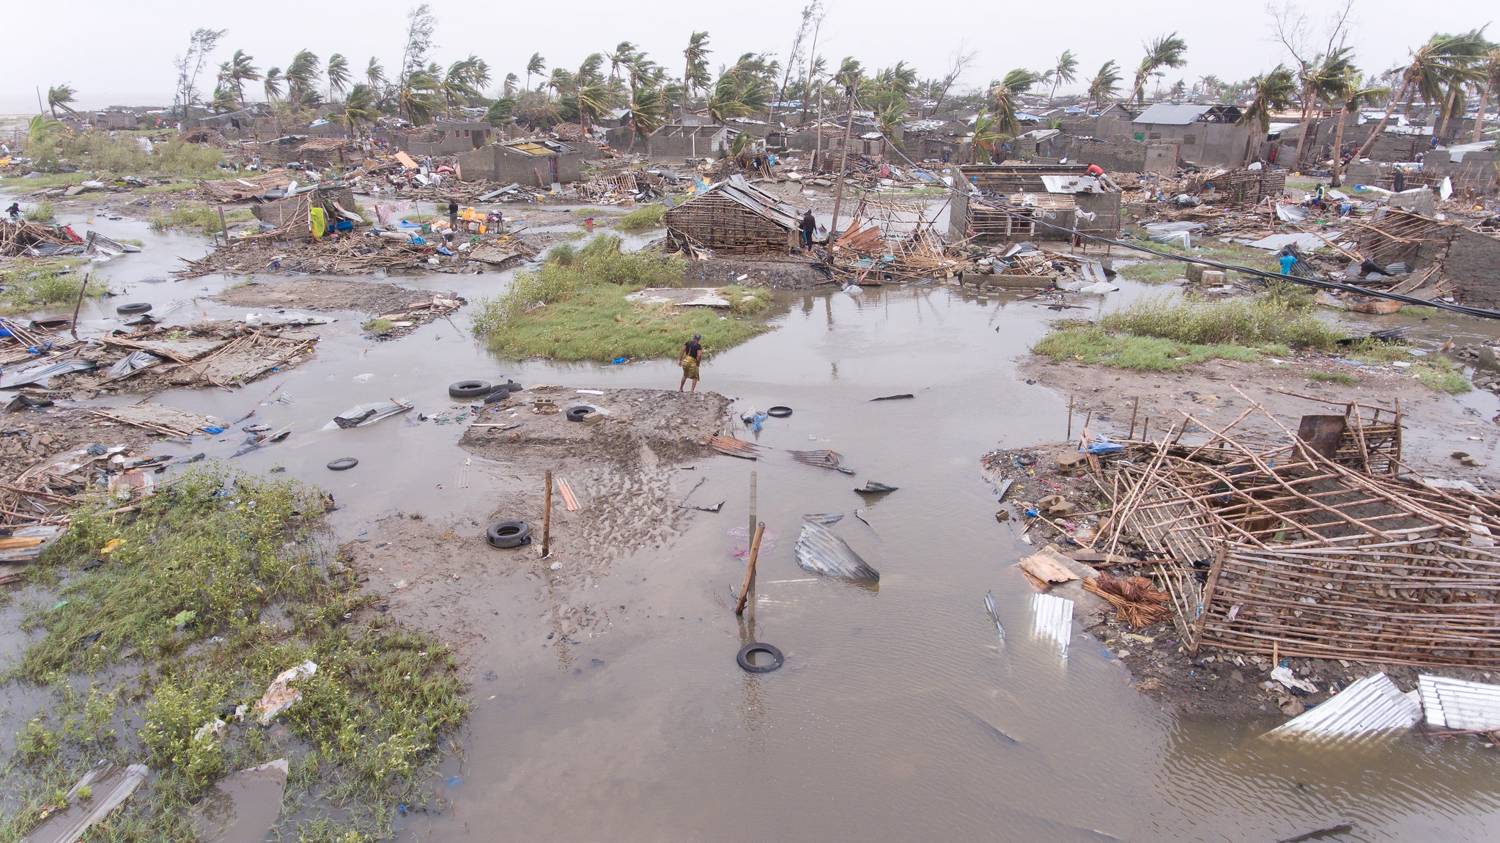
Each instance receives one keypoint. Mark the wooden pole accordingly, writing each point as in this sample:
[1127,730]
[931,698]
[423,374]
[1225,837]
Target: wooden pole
[749,581]
[77,304]
[223,226]
[750,529]
[547,518]
[1070,419]
[1133,408]
[838,193]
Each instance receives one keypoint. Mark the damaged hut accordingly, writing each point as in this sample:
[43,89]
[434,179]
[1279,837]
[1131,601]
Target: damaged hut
[529,162]
[996,203]
[310,212]
[733,217]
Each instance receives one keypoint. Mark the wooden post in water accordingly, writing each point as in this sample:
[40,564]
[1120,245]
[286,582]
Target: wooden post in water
[749,582]
[547,518]
[223,226]
[82,288]
[750,530]
[1133,408]
[1070,418]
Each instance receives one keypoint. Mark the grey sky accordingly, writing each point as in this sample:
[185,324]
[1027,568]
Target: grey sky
[121,53]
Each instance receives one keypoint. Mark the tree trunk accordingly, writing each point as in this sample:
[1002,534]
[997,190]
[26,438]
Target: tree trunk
[1390,108]
[1442,125]
[1052,96]
[687,89]
[1484,97]
[1250,144]
[1306,115]
[1338,147]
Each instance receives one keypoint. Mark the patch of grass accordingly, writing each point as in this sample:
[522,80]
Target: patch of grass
[1154,271]
[167,187]
[203,219]
[42,212]
[747,301]
[26,287]
[379,325]
[43,181]
[1096,346]
[215,586]
[574,308]
[1443,375]
[1343,378]
[1247,322]
[1375,351]
[643,218]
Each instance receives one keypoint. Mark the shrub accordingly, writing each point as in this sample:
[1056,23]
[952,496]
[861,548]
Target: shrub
[1247,322]
[643,218]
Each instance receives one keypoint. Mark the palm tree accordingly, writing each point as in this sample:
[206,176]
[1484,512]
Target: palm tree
[1424,74]
[223,99]
[695,70]
[647,111]
[237,71]
[1063,73]
[58,96]
[1489,85]
[1350,93]
[421,96]
[1458,76]
[338,75]
[375,74]
[273,84]
[300,75]
[1209,87]
[621,56]
[1165,51]
[1105,83]
[591,95]
[1273,91]
[1319,78]
[535,66]
[1004,95]
[509,86]
[359,106]
[987,137]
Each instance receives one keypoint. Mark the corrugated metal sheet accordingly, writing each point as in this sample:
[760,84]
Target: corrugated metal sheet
[1457,704]
[1370,707]
[1052,620]
[820,551]
[758,201]
[1171,114]
[529,148]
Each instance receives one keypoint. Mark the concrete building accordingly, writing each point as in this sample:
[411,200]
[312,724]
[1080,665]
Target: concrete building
[1473,168]
[1204,134]
[528,162]
[678,140]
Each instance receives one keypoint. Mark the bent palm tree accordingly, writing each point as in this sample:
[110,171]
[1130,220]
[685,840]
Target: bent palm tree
[1424,74]
[1318,80]
[1063,73]
[58,96]
[1165,51]
[241,69]
[1273,91]
[338,75]
[1004,96]
[1487,88]
[535,66]
[272,84]
[375,74]
[360,107]
[1350,93]
[1105,84]
[300,75]
[695,70]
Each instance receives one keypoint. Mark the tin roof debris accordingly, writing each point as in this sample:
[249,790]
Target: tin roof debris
[108,789]
[1371,707]
[1052,620]
[820,551]
[1459,704]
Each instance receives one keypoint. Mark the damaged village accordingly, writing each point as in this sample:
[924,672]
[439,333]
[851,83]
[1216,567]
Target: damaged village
[756,439]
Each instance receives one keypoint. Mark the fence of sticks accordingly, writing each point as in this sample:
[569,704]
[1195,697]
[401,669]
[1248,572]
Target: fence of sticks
[1322,545]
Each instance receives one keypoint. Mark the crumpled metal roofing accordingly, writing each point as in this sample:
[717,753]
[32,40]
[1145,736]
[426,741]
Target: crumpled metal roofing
[1052,620]
[820,551]
[757,201]
[1371,707]
[1457,704]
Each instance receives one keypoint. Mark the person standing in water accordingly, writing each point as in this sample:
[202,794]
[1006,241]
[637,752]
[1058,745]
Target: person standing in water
[692,354]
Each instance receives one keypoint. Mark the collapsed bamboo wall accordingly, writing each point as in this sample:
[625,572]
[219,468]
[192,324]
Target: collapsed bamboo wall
[719,223]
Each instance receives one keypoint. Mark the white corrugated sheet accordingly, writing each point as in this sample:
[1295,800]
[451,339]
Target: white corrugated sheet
[1052,620]
[1370,707]
[1457,704]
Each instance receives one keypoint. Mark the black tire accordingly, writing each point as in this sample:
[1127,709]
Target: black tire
[506,534]
[133,308]
[779,412]
[343,464]
[470,389]
[579,413]
[743,657]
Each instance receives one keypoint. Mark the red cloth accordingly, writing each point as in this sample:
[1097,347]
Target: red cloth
[1096,170]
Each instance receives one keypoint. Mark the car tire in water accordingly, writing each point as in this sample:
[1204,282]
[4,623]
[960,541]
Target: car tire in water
[133,308]
[469,389]
[343,464]
[779,411]
[743,657]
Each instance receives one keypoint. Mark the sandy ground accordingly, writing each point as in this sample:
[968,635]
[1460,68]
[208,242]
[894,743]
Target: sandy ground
[32,435]
[626,471]
[328,294]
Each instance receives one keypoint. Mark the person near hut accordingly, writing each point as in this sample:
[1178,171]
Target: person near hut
[692,355]
[1287,261]
[807,227]
[14,210]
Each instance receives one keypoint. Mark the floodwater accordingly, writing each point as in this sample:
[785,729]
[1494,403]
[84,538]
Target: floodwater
[898,714]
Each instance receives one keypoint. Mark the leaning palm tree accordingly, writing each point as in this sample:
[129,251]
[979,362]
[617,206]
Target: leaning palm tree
[1004,96]
[58,96]
[1424,75]
[1458,76]
[646,111]
[695,72]
[1273,91]
[1350,93]
[241,69]
[1105,83]
[273,84]
[535,66]
[360,107]
[1489,86]
[1165,51]
[1063,73]
[1320,80]
[420,96]
[375,74]
[619,57]
[510,85]
[987,138]
[338,75]
[300,76]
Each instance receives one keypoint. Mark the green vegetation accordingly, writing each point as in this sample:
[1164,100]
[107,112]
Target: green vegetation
[42,181]
[218,584]
[42,212]
[747,301]
[51,145]
[28,287]
[1096,346]
[1165,335]
[1343,378]
[574,308]
[201,218]
[379,325]
[1154,271]
[643,218]
[167,187]
[1439,373]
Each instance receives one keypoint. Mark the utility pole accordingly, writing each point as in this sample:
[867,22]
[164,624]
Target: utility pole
[40,109]
[838,194]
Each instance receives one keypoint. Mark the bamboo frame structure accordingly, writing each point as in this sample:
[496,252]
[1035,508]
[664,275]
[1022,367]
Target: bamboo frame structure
[1285,548]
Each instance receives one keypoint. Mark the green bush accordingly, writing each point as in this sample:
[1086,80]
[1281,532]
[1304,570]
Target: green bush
[1247,322]
[1096,346]
[42,212]
[28,288]
[643,218]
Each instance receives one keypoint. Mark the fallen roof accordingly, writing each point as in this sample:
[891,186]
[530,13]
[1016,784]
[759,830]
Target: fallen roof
[757,201]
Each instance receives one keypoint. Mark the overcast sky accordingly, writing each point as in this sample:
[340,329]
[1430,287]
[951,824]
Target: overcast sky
[121,53]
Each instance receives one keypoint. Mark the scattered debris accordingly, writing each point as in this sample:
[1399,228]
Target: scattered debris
[820,551]
[108,788]
[1371,707]
[279,695]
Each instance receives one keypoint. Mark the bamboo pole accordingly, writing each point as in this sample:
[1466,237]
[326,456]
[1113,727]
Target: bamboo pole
[78,303]
[749,581]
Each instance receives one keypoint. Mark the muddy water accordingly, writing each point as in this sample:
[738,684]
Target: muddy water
[898,714]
